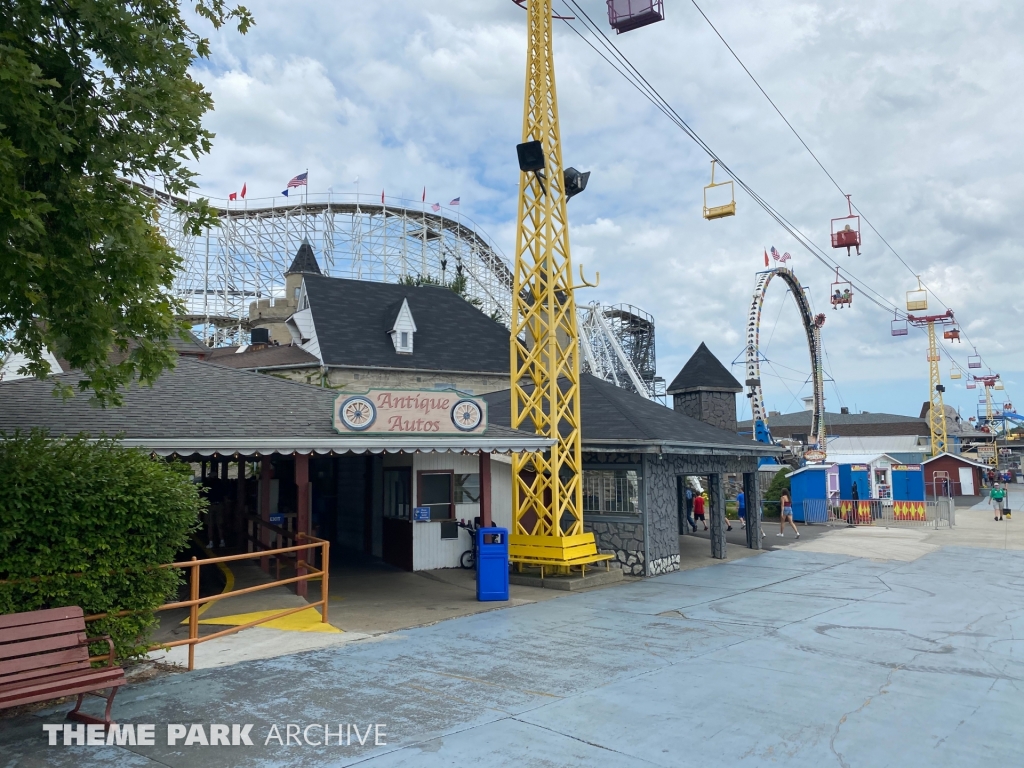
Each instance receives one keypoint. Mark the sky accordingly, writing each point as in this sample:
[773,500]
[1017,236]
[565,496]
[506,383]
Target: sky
[916,108]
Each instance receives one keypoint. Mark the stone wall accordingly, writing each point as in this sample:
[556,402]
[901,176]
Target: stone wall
[362,379]
[715,408]
[625,538]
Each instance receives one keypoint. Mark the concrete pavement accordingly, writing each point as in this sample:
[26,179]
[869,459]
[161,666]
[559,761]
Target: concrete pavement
[792,657]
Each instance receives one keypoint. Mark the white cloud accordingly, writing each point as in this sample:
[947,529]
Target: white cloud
[916,108]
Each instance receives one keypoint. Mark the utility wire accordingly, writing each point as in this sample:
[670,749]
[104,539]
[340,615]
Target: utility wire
[816,160]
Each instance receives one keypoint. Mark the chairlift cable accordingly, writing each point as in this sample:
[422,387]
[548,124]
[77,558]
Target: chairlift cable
[816,160]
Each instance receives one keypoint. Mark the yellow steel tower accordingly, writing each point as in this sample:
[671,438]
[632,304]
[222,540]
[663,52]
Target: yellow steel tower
[547,495]
[917,300]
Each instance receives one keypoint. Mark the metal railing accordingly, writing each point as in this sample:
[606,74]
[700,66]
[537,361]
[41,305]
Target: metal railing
[304,572]
[937,513]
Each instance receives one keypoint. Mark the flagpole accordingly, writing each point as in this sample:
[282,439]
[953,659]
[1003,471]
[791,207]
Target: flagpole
[423,234]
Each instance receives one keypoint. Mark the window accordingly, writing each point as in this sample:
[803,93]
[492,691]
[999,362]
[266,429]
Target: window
[467,489]
[611,492]
[436,491]
[398,493]
[296,294]
[405,339]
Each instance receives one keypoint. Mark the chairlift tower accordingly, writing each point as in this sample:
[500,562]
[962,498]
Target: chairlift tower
[917,300]
[547,495]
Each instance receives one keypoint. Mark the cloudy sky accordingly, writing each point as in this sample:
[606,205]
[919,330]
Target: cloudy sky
[914,107]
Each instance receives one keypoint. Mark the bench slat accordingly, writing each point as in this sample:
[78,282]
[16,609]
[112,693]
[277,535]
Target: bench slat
[59,690]
[26,666]
[40,645]
[55,685]
[49,629]
[40,617]
[551,561]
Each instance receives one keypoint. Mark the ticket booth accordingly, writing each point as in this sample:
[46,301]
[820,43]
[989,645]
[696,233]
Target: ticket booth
[908,482]
[851,475]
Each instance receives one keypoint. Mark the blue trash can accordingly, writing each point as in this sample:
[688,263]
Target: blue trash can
[491,564]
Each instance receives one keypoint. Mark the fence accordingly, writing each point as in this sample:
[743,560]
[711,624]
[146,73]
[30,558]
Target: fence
[940,513]
[304,572]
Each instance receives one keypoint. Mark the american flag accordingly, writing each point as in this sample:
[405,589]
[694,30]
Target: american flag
[455,201]
[298,181]
[435,207]
[783,257]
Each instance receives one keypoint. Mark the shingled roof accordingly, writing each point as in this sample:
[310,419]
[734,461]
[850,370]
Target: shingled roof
[305,260]
[264,358]
[352,319]
[704,371]
[610,415]
[204,408]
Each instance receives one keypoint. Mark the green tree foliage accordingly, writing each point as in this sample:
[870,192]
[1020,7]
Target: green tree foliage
[94,92]
[771,497]
[458,285]
[87,523]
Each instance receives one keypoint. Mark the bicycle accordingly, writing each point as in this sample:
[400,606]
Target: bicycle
[468,558]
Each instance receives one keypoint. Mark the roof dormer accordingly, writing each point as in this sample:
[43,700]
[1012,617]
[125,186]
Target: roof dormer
[402,329]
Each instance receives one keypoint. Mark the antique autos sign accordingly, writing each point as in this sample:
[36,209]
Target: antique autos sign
[403,411]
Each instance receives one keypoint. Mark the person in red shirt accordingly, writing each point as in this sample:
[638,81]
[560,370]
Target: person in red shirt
[698,510]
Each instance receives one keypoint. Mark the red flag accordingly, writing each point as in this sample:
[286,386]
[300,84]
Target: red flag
[243,191]
[233,196]
[382,197]
[424,199]
[766,258]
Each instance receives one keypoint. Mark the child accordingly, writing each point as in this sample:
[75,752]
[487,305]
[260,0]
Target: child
[698,509]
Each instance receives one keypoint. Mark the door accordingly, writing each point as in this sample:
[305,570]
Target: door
[396,542]
[966,481]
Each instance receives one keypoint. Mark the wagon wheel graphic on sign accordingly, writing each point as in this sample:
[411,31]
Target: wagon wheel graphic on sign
[467,415]
[358,413]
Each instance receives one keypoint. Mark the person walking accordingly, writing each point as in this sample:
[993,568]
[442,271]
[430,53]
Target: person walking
[996,498]
[741,509]
[689,509]
[698,510]
[786,514]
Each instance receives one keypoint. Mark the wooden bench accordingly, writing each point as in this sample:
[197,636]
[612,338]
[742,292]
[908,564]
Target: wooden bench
[45,655]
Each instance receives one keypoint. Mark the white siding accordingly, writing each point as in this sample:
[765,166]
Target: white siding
[501,491]
[429,550]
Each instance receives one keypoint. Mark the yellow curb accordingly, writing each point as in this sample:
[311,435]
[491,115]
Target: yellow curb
[229,577]
[301,621]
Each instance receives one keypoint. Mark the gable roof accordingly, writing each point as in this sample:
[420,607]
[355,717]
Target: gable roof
[612,415]
[352,318]
[704,371]
[398,310]
[803,419]
[205,408]
[945,455]
[304,261]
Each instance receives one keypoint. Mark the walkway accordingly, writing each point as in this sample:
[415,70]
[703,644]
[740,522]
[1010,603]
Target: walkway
[790,657]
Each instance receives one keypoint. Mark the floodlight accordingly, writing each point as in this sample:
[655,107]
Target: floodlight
[575,182]
[531,156]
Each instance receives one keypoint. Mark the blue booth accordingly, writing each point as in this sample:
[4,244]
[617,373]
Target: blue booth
[491,564]
[907,482]
[810,484]
[854,474]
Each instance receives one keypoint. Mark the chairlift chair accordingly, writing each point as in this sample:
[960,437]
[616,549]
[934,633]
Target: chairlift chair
[953,334]
[627,15]
[842,293]
[846,230]
[719,211]
[898,327]
[917,300]
[954,373]
[972,385]
[998,385]
[974,361]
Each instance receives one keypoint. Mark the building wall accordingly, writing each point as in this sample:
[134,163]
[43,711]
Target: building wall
[429,550]
[362,379]
[715,408]
[653,551]
[952,466]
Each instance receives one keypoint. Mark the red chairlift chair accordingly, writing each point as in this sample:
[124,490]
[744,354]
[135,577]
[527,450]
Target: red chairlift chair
[972,385]
[626,15]
[842,293]
[953,334]
[846,230]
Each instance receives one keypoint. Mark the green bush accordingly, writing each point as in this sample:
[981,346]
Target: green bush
[88,523]
[771,497]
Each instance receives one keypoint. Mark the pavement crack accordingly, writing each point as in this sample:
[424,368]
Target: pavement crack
[602,747]
[847,715]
